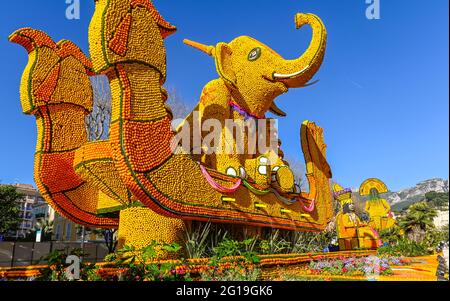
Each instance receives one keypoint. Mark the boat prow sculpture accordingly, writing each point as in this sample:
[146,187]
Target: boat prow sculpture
[137,163]
[56,89]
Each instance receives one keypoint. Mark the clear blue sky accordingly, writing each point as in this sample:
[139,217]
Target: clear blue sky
[382,98]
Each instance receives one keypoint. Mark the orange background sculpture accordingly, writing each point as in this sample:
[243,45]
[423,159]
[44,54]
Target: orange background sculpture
[90,181]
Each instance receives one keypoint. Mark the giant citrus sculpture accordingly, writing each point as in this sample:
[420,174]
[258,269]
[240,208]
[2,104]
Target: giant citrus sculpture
[136,180]
[378,208]
[352,233]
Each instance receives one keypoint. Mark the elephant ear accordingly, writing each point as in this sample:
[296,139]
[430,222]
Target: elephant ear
[224,65]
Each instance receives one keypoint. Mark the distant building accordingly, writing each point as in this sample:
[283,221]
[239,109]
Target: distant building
[441,219]
[26,205]
[64,229]
[42,211]
[34,209]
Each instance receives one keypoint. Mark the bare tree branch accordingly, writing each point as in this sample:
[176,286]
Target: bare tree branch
[299,170]
[177,104]
[97,123]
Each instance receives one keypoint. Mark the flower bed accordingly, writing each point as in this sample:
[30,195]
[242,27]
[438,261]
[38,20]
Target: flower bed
[357,265]
[351,266]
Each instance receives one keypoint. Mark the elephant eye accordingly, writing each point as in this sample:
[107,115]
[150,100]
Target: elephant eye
[254,54]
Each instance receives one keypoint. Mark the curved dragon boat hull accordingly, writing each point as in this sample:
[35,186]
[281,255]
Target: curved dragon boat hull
[137,162]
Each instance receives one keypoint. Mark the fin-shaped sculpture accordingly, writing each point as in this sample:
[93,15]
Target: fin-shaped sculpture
[56,89]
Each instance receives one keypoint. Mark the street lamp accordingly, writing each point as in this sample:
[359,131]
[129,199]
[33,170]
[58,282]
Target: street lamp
[83,231]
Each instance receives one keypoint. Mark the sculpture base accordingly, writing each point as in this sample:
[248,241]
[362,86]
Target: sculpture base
[139,226]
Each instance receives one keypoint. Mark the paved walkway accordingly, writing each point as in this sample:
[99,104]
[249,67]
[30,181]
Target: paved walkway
[420,269]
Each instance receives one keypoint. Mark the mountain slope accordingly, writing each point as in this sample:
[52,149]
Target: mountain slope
[408,196]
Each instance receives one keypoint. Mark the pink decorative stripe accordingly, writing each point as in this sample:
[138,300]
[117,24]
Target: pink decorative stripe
[375,233]
[242,111]
[216,185]
[311,206]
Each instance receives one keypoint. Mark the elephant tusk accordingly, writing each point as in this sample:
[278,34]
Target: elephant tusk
[276,110]
[310,84]
[283,76]
[209,50]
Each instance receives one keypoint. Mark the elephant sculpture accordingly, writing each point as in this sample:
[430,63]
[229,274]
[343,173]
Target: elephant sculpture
[137,171]
[251,76]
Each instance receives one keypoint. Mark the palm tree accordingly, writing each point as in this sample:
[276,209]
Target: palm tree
[392,235]
[418,219]
[46,226]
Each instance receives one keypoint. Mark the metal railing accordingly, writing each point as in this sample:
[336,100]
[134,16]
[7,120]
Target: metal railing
[15,254]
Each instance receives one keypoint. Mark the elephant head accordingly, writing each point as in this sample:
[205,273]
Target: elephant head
[255,74]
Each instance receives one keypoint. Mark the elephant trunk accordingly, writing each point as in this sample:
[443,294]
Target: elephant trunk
[296,73]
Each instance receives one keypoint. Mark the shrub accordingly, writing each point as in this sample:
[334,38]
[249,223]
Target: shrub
[406,248]
[274,244]
[196,240]
[224,268]
[141,264]
[56,270]
[392,235]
